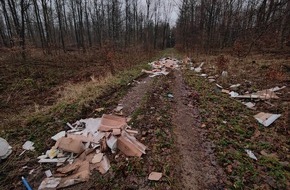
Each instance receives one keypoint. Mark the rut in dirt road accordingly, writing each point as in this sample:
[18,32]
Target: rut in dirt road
[197,163]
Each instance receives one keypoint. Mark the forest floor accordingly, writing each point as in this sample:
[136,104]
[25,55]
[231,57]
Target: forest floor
[197,138]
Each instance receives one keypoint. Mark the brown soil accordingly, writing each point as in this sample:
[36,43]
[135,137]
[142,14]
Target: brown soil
[198,167]
[134,97]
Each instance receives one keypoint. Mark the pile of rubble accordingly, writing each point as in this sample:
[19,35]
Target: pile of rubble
[162,66]
[82,149]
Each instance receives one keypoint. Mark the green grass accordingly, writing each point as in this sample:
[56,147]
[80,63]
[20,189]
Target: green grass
[234,136]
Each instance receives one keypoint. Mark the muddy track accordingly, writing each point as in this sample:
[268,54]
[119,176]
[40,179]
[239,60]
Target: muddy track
[197,167]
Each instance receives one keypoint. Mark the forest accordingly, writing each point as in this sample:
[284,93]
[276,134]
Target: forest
[144,94]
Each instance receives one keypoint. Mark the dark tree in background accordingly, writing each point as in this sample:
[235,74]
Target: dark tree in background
[207,25]
[60,25]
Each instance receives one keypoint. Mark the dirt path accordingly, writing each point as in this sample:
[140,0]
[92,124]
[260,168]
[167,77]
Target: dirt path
[133,98]
[197,163]
[197,169]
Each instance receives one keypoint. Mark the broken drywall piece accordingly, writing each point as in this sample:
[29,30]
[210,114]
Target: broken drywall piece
[225,91]
[5,149]
[54,160]
[28,145]
[97,158]
[71,145]
[266,119]
[109,122]
[203,75]
[48,173]
[155,176]
[263,94]
[91,124]
[233,94]
[224,74]
[251,154]
[130,146]
[104,165]
[219,86]
[134,132]
[58,135]
[49,183]
[211,80]
[235,85]
[112,143]
[249,105]
[82,174]
[99,109]
[119,108]
[277,88]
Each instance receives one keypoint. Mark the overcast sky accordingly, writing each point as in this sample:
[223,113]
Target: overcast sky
[173,14]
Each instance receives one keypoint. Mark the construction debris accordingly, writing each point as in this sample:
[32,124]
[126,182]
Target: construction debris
[5,149]
[28,145]
[155,176]
[84,148]
[251,154]
[263,94]
[266,119]
[162,67]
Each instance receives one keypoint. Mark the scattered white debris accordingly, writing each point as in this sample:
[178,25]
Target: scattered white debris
[49,183]
[5,149]
[155,176]
[224,74]
[233,94]
[277,88]
[235,85]
[249,104]
[251,154]
[58,135]
[48,173]
[266,119]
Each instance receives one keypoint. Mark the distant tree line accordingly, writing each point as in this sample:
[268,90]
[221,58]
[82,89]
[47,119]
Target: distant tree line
[241,24]
[82,24]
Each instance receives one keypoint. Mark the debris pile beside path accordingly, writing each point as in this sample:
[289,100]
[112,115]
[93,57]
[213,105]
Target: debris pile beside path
[82,149]
[248,99]
[162,66]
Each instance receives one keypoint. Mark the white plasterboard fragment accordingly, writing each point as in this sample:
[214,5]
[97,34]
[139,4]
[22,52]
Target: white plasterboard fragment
[54,160]
[251,154]
[155,176]
[219,86]
[266,119]
[92,124]
[68,124]
[235,85]
[49,183]
[28,145]
[233,94]
[112,143]
[97,158]
[249,104]
[211,80]
[198,69]
[58,135]
[48,173]
[5,149]
[201,64]
[203,75]
[119,108]
[276,88]
[224,74]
